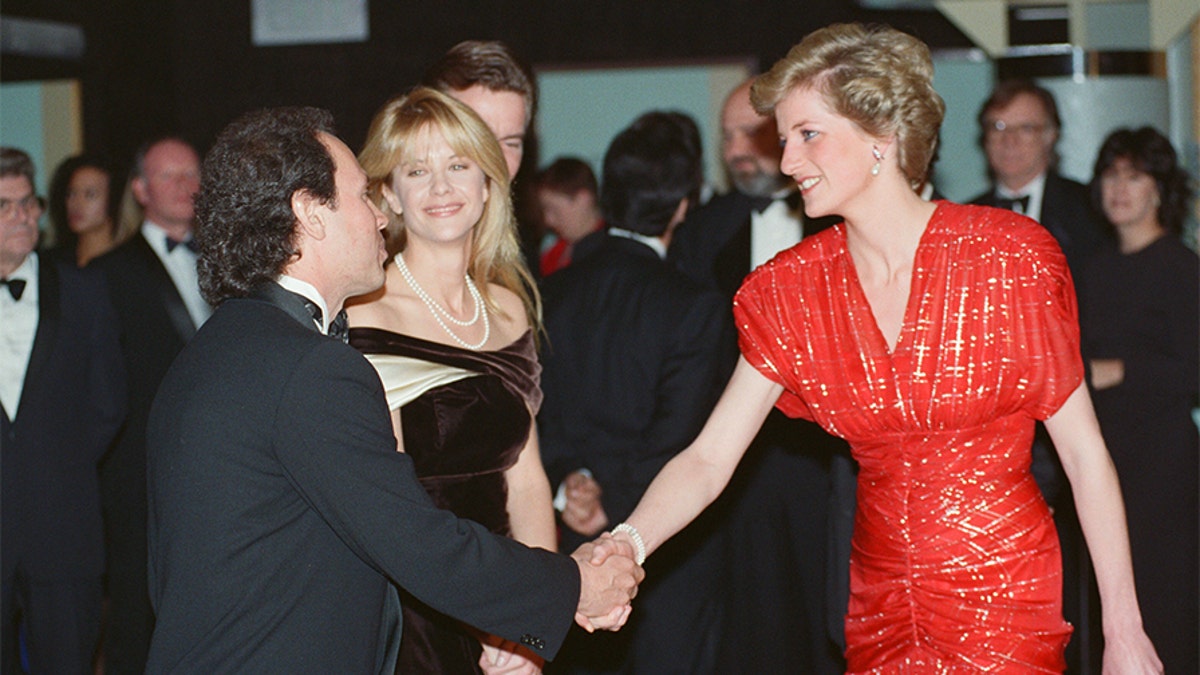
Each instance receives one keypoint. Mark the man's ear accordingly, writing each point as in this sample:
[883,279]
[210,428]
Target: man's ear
[309,212]
[138,185]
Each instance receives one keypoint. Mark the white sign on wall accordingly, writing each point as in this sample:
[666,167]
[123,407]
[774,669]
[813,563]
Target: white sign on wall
[298,22]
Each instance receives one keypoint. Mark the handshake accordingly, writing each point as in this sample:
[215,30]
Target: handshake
[609,574]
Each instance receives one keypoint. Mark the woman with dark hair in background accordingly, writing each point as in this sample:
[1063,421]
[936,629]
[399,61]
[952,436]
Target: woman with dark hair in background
[1140,319]
[452,334]
[83,207]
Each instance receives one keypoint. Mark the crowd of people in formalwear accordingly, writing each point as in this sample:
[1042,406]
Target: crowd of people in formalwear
[289,408]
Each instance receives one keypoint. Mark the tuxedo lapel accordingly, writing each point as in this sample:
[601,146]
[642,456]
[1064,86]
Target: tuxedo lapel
[176,311]
[49,317]
[286,300]
[1052,211]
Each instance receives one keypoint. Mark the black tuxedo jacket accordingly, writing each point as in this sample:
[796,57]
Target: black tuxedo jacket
[72,403]
[712,246]
[155,325]
[631,369]
[1068,214]
[280,511]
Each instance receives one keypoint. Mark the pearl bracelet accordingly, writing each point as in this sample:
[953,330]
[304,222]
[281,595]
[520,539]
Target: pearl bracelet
[638,543]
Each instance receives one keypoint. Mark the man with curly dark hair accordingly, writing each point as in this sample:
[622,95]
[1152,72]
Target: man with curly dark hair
[280,511]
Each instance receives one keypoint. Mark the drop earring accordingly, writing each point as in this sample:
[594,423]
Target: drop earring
[878,158]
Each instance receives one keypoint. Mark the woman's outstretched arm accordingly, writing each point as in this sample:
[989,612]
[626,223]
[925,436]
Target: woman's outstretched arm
[1085,459]
[694,477]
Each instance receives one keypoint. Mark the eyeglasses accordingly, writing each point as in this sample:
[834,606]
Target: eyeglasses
[30,203]
[1025,132]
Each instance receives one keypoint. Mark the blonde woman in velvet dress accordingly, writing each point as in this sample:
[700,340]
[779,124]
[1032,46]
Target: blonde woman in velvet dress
[451,334]
[930,336]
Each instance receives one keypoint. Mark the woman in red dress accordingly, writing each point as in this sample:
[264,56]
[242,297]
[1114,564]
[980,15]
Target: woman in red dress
[930,336]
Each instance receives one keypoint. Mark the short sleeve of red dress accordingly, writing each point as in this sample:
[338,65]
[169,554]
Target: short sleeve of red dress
[765,329]
[1047,323]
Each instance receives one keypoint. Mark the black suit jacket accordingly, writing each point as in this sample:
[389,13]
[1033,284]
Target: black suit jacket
[631,369]
[1068,214]
[72,403]
[155,325]
[280,511]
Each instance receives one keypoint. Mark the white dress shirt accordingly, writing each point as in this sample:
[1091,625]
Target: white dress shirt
[181,266]
[1035,189]
[777,228]
[18,326]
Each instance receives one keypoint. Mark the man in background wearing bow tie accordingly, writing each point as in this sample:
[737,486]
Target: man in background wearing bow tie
[1019,127]
[62,399]
[152,278]
[776,610]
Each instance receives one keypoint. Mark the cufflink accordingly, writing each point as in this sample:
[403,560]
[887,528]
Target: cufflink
[531,641]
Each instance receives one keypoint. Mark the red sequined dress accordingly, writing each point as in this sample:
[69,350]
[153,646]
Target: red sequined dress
[955,564]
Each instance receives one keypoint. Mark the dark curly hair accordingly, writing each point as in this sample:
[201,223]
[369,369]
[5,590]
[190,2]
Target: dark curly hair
[1149,151]
[246,227]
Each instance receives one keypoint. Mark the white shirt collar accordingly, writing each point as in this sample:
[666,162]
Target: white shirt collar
[157,236]
[309,291]
[1034,189]
[27,270]
[654,243]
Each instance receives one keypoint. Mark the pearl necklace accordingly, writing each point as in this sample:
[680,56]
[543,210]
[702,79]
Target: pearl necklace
[438,311]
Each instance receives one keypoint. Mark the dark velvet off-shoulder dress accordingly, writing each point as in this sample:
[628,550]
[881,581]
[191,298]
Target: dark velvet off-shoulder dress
[465,416]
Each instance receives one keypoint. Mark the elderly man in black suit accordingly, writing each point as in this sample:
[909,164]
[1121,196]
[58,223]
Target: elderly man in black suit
[280,511]
[62,399]
[152,278]
[778,615]
[630,374]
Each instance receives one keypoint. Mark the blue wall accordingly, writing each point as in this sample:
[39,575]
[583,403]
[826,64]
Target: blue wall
[21,124]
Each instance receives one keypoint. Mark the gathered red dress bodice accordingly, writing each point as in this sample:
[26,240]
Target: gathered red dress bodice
[955,564]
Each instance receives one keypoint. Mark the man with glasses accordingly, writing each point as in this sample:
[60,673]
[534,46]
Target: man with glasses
[62,399]
[1019,128]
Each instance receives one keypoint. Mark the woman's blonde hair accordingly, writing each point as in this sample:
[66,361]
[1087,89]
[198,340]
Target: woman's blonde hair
[495,255]
[875,76]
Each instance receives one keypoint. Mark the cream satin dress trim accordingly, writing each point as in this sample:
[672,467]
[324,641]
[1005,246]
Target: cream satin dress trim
[405,378]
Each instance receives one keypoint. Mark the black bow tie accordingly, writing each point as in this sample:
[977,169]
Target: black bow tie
[339,328]
[16,287]
[189,244]
[1013,202]
[760,204]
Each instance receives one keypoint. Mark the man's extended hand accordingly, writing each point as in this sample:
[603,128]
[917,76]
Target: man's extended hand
[608,583]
